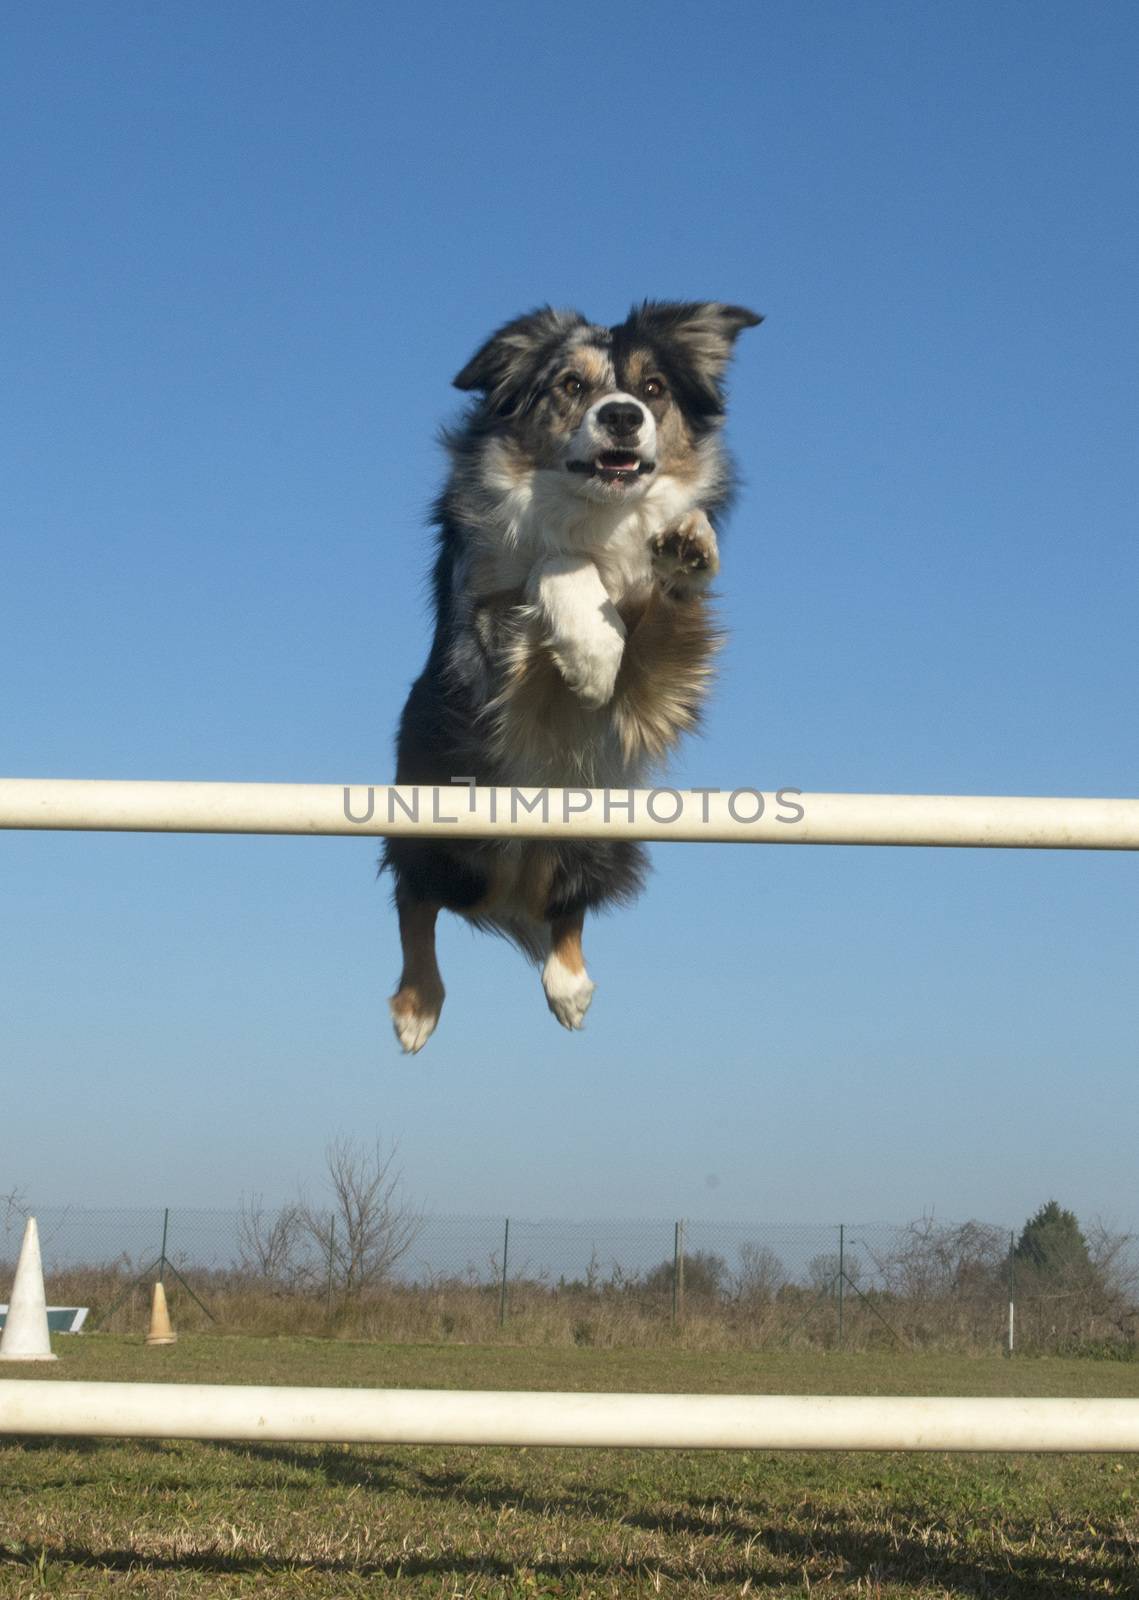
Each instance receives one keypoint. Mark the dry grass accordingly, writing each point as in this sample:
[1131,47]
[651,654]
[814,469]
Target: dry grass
[101,1519]
[460,1312]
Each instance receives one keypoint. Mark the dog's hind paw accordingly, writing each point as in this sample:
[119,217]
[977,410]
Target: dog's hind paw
[568,993]
[415,1012]
[686,558]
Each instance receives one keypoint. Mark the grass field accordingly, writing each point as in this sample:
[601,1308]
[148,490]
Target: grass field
[95,1518]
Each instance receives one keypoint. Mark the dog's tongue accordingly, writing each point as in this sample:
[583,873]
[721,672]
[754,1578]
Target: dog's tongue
[617,460]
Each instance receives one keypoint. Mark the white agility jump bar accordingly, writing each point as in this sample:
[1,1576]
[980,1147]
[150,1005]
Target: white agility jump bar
[710,816]
[624,1421]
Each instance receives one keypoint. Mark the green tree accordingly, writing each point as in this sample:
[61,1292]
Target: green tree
[705,1275]
[1052,1244]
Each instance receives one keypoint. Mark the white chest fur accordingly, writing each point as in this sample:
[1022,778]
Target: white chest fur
[542,522]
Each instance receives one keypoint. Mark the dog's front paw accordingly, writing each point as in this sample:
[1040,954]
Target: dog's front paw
[686,558]
[590,666]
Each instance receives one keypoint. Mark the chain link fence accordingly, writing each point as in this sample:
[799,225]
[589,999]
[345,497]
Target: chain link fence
[400,1276]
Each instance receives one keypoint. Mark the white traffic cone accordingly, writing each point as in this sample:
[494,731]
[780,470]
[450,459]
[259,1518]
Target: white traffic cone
[160,1330]
[25,1336]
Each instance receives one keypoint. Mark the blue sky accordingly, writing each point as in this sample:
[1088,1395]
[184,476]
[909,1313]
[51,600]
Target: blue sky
[247,248]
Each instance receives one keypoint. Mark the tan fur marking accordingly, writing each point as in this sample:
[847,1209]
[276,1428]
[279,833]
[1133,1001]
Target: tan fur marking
[635,368]
[665,674]
[675,452]
[514,462]
[565,941]
[535,880]
[592,365]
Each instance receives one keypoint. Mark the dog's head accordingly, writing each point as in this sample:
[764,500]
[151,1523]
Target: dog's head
[609,410]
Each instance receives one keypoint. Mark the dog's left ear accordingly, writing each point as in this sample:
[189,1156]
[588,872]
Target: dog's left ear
[698,335]
[705,330]
[508,360]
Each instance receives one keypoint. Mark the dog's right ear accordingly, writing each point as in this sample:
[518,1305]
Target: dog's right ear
[510,358]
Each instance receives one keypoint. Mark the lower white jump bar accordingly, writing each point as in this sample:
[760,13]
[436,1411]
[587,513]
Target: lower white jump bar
[629,1421]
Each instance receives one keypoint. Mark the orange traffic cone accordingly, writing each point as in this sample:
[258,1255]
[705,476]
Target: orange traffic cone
[160,1330]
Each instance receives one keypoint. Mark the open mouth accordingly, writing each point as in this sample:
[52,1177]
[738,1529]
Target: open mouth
[613,466]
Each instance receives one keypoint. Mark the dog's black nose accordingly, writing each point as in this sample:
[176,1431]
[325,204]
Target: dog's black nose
[621,418]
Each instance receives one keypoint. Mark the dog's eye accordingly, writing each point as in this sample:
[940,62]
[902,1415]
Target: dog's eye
[653,388]
[571,384]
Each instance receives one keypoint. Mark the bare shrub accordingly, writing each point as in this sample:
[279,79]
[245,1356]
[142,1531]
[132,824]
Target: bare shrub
[932,1260]
[761,1274]
[823,1270]
[370,1226]
[268,1242]
[16,1211]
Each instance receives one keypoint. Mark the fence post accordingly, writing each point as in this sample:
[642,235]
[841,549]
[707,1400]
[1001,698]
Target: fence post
[1011,1293]
[160,1265]
[331,1258]
[677,1273]
[502,1286]
[841,1276]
